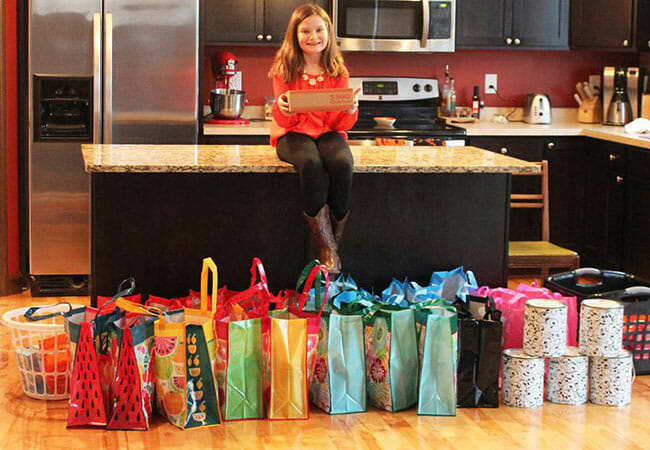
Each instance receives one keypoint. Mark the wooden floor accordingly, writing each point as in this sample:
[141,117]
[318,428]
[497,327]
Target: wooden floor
[29,423]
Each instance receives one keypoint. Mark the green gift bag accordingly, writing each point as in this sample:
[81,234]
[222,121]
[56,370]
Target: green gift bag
[339,383]
[391,358]
[437,343]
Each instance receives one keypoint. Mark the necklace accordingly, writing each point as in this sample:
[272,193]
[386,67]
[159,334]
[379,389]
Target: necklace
[312,81]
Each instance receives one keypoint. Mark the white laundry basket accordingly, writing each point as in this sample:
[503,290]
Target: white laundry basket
[42,351]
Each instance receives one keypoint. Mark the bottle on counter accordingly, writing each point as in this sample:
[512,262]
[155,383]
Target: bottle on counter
[452,97]
[444,93]
[476,104]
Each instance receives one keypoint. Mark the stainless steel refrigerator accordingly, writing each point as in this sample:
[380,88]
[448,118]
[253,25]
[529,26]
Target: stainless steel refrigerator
[101,71]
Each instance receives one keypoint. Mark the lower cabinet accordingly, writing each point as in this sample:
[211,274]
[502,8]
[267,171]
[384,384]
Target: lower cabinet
[604,205]
[636,248]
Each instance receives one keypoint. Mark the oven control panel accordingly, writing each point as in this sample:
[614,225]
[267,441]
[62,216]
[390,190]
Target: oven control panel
[395,88]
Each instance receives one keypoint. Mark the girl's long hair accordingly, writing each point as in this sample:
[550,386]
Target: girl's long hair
[289,60]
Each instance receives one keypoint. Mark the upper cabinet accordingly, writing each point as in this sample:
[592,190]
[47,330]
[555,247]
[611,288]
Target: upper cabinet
[248,21]
[512,24]
[602,24]
[643,25]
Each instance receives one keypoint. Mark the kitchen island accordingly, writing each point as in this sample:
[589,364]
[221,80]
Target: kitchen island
[157,210]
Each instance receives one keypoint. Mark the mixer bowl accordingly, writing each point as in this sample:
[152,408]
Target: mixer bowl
[227,103]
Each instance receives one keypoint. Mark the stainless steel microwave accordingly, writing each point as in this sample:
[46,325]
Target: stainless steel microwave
[395,25]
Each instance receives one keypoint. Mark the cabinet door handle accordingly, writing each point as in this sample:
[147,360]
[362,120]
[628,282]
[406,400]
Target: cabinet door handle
[619,179]
[550,145]
[259,37]
[504,150]
[517,41]
[614,157]
[269,37]
[508,41]
[625,43]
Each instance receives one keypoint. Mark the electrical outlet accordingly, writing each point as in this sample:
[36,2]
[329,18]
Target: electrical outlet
[490,80]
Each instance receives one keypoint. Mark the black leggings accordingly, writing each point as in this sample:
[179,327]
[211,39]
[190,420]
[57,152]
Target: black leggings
[325,168]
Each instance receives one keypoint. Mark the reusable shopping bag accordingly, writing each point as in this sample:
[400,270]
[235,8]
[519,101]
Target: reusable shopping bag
[438,351]
[479,357]
[293,340]
[186,387]
[241,325]
[132,388]
[92,377]
[339,382]
[391,354]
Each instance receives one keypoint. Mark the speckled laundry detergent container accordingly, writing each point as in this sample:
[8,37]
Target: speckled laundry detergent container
[568,377]
[601,328]
[545,327]
[610,379]
[523,379]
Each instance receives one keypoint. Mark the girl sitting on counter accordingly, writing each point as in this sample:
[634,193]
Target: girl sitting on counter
[315,143]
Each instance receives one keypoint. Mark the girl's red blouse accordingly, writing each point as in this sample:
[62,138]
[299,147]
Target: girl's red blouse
[312,124]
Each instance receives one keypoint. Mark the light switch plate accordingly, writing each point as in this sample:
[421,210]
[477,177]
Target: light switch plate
[490,80]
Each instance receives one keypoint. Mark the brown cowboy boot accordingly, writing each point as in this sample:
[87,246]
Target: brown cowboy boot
[321,234]
[338,226]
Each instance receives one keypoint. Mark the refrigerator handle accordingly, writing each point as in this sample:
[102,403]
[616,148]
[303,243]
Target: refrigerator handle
[108,78]
[97,78]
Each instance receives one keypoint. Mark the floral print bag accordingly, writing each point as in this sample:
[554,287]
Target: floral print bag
[391,358]
[338,385]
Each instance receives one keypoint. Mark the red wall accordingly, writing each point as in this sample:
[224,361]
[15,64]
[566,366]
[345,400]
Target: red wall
[519,71]
[12,137]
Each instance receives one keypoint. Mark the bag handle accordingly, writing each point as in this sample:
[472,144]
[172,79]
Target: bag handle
[316,271]
[209,266]
[122,291]
[257,269]
[131,307]
[29,314]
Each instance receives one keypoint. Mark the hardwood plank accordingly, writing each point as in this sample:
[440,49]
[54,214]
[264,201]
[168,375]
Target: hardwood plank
[35,423]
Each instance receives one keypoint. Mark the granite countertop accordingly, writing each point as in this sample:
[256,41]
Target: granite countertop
[564,125]
[262,159]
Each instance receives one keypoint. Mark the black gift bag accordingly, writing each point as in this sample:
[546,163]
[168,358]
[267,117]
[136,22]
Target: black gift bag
[479,357]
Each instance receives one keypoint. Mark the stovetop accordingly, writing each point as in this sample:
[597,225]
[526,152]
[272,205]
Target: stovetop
[435,127]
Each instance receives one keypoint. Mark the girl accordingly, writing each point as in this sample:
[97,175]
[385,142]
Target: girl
[315,143]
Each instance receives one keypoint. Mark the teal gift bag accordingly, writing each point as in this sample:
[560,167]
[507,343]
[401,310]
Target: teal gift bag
[338,385]
[437,343]
[391,358]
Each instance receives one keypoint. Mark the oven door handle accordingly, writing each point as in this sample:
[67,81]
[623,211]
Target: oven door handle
[425,23]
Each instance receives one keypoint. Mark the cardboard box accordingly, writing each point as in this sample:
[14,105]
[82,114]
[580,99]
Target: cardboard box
[318,100]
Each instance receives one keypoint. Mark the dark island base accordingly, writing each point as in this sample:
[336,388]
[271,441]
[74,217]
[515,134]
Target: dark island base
[158,227]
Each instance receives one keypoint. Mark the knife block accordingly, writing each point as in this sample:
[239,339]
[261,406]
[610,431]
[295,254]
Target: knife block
[591,111]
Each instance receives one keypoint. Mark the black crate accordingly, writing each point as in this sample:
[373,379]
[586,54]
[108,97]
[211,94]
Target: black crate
[633,292]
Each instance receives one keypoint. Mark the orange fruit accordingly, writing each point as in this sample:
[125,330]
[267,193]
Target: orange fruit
[173,403]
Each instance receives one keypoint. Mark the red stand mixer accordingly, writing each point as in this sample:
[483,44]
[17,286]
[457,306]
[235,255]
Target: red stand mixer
[227,100]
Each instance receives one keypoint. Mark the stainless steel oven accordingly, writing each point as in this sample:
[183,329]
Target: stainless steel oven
[410,107]
[395,25]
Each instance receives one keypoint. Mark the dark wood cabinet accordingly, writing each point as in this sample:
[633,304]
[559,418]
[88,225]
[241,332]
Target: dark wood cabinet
[636,254]
[604,205]
[566,191]
[248,21]
[512,24]
[525,224]
[602,24]
[643,25]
